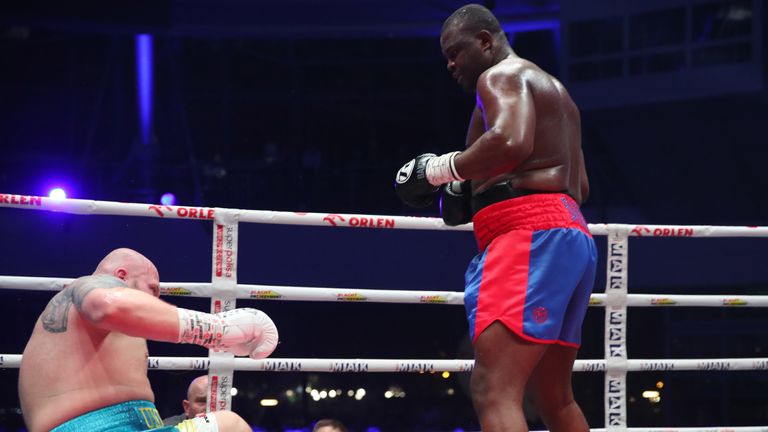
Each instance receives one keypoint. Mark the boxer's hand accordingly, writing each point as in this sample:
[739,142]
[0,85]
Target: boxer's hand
[456,203]
[243,332]
[411,182]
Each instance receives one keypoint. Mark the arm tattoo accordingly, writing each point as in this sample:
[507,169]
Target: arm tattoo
[55,316]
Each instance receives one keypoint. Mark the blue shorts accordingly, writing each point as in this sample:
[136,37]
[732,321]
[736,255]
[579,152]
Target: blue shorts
[535,270]
[130,416]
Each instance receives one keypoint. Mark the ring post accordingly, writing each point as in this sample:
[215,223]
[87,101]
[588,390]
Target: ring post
[224,283]
[616,329]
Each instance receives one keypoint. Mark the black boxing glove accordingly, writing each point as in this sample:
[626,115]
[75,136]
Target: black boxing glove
[418,180]
[411,182]
[456,203]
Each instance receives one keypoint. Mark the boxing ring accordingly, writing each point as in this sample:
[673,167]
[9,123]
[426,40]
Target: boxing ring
[224,292]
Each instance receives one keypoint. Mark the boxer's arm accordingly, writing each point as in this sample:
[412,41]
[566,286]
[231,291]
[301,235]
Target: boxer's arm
[510,120]
[244,331]
[109,304]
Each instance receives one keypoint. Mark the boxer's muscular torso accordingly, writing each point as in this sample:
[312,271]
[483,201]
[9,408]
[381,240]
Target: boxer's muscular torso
[556,163]
[71,367]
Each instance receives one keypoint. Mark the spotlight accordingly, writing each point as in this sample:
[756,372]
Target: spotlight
[168,199]
[57,193]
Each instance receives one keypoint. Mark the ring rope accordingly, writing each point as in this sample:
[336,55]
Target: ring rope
[13,361]
[354,295]
[616,299]
[81,206]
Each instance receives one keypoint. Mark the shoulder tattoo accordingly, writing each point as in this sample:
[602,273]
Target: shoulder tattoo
[55,315]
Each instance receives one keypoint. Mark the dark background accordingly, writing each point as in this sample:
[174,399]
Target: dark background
[313,106]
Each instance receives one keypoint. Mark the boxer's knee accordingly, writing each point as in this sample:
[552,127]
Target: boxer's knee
[490,389]
[563,417]
[479,387]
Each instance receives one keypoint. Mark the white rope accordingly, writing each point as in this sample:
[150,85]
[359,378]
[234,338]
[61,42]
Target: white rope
[353,295]
[13,361]
[79,206]
[656,300]
[681,230]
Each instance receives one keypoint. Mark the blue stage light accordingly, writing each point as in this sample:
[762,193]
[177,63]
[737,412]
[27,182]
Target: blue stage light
[57,193]
[168,199]
[145,82]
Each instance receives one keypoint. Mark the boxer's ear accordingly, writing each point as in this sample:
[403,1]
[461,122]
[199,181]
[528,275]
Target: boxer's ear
[121,273]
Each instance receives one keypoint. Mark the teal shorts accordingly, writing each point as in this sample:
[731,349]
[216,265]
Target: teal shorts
[131,416]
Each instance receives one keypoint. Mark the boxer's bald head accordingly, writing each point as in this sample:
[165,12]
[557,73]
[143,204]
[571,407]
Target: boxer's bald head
[136,270]
[196,396]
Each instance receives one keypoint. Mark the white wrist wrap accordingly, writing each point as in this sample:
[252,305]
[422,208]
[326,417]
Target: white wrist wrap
[442,169]
[200,328]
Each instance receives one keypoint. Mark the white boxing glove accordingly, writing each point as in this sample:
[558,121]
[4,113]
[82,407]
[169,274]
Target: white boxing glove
[243,332]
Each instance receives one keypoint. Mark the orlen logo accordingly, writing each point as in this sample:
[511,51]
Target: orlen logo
[331,219]
[734,302]
[21,199]
[360,221]
[351,297]
[266,294]
[184,212]
[640,230]
[175,291]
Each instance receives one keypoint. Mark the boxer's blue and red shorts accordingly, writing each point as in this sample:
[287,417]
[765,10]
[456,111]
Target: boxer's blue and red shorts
[535,269]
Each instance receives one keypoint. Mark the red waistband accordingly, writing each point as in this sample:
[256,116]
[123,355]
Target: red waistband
[530,212]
